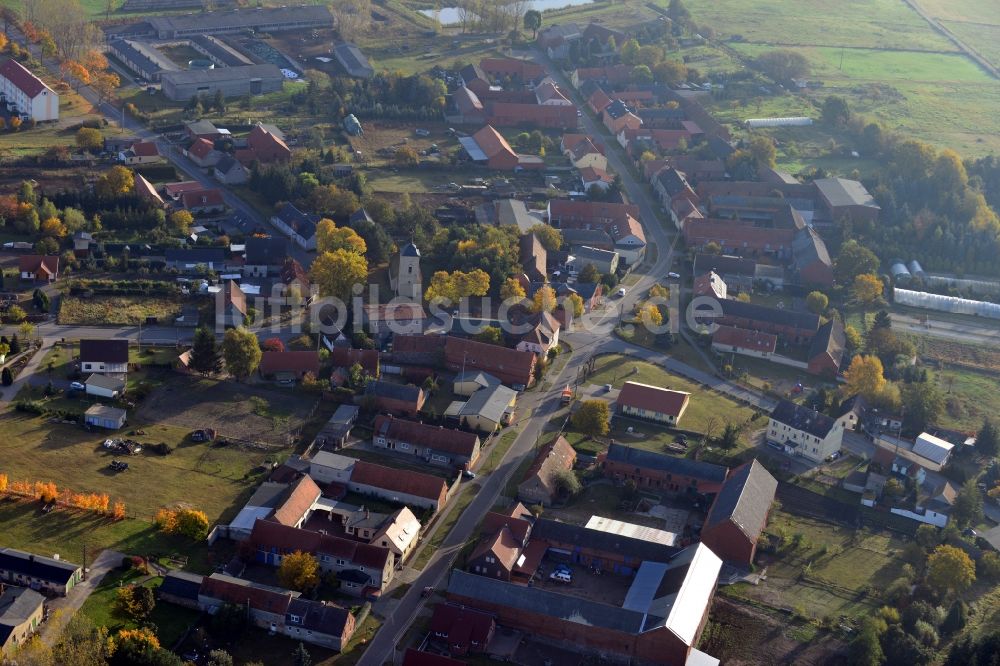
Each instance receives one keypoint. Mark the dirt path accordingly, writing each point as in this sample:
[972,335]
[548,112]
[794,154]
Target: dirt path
[65,607]
[8,393]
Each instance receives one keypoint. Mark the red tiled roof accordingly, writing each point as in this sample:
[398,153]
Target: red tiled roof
[177,189]
[145,149]
[566,210]
[195,198]
[709,284]
[146,190]
[289,361]
[743,338]
[303,493]
[287,539]
[653,398]
[234,296]
[201,148]
[519,527]
[398,480]
[292,271]
[502,545]
[593,174]
[556,457]
[510,364]
[38,264]
[571,140]
[266,146]
[440,438]
[258,598]
[492,142]
[22,78]
[345,357]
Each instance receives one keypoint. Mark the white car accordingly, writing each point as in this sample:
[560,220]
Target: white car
[561,577]
[621,292]
[673,276]
[77,386]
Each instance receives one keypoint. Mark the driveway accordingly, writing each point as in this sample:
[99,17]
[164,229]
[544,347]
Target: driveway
[63,608]
[8,393]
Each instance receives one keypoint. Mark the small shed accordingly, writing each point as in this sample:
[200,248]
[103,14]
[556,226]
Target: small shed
[102,416]
[933,448]
[104,386]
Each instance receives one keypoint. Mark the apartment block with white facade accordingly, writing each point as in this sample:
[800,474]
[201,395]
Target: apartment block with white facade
[801,431]
[27,93]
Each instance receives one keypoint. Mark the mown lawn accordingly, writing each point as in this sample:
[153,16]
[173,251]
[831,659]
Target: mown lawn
[705,406]
[24,526]
[171,621]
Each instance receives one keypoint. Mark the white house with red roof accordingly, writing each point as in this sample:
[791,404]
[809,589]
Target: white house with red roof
[652,402]
[31,96]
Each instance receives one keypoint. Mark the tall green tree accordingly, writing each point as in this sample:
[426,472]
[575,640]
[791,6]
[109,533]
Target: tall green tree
[533,21]
[301,656]
[988,439]
[205,356]
[854,260]
[242,352]
[968,509]
[923,403]
[592,418]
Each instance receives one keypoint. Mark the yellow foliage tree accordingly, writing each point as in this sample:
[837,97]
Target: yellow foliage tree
[335,273]
[3,483]
[181,221]
[452,287]
[867,288]
[118,511]
[950,569]
[330,237]
[53,228]
[299,571]
[650,315]
[115,182]
[575,302]
[865,377]
[544,299]
[512,289]
[142,638]
[166,520]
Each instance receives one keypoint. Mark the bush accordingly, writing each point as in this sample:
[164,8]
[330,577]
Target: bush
[162,449]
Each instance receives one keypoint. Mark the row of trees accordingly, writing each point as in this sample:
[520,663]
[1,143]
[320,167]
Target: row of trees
[48,493]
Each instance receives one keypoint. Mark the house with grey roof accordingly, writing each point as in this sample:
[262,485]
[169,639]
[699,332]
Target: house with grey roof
[182,85]
[21,613]
[739,514]
[846,198]
[661,472]
[259,19]
[486,410]
[605,261]
[801,431]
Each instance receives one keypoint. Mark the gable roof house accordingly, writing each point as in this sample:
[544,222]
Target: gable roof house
[605,261]
[145,191]
[793,327]
[540,484]
[826,351]
[810,259]
[203,153]
[461,630]
[26,93]
[543,336]
[534,258]
[203,201]
[652,403]
[299,226]
[617,116]
[141,152]
[732,340]
[710,284]
[289,364]
[739,514]
[280,611]
[50,575]
[660,471]
[487,146]
[486,410]
[515,69]
[510,366]
[233,312]
[801,431]
[106,357]
[191,260]
[38,268]
[229,171]
[842,197]
[264,256]
[399,485]
[436,445]
[395,398]
[272,541]
[267,146]
[21,612]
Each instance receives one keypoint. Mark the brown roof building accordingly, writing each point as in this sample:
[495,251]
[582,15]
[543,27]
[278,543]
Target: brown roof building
[739,513]
[433,444]
[540,485]
[296,363]
[652,402]
[38,268]
[729,339]
[508,365]
[463,630]
[399,485]
[295,509]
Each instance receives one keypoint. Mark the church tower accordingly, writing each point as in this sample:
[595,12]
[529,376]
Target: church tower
[408,279]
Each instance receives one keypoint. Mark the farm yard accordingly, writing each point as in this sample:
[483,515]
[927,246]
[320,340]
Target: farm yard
[236,411]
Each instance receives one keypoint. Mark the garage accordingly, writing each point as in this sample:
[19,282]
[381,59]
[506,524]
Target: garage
[102,416]
[105,387]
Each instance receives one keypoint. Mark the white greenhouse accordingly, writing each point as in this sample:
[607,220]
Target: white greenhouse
[796,121]
[922,299]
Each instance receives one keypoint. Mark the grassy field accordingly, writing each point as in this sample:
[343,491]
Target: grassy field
[615,369]
[844,564]
[213,479]
[121,310]
[882,56]
[67,532]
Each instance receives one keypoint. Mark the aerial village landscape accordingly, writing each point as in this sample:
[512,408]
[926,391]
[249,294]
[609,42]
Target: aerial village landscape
[545,332]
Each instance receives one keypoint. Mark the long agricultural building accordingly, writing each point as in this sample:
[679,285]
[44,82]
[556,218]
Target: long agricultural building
[259,19]
[232,81]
